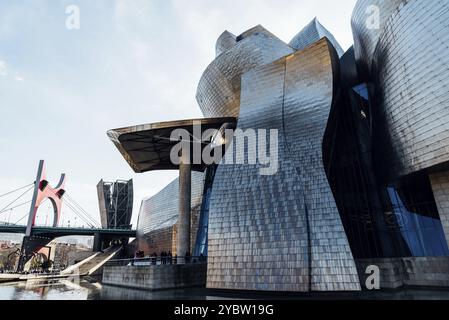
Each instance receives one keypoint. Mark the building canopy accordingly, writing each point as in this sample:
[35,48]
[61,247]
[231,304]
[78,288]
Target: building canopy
[147,147]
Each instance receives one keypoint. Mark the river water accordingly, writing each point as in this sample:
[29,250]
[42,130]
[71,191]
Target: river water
[75,290]
[83,290]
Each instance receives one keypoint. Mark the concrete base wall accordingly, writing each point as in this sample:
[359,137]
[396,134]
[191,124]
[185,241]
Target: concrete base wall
[166,239]
[156,277]
[158,241]
[400,272]
[440,186]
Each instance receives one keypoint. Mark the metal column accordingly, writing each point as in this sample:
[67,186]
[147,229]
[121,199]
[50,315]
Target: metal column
[185,186]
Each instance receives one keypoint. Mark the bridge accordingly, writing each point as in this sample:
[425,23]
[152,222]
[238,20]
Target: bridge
[56,232]
[116,208]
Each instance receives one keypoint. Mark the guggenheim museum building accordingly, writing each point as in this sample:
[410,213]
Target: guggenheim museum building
[362,149]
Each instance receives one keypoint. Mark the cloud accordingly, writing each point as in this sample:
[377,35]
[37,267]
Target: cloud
[284,18]
[3,69]
[135,62]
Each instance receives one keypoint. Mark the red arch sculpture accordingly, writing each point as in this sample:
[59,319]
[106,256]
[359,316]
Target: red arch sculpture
[42,191]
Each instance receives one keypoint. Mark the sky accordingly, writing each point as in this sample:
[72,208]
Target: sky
[130,62]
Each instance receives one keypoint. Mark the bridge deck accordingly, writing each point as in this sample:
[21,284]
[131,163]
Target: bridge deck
[61,232]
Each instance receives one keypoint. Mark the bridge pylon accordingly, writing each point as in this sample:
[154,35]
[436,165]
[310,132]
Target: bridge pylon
[42,191]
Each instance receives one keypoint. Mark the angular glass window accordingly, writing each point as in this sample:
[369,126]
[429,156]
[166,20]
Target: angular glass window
[362,90]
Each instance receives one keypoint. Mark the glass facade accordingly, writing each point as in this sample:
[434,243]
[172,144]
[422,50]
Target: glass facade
[362,90]
[347,151]
[416,215]
[395,219]
[200,247]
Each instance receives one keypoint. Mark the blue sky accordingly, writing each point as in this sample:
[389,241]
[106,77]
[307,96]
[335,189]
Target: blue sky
[131,62]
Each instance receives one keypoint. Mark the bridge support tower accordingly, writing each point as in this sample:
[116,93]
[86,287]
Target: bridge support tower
[42,191]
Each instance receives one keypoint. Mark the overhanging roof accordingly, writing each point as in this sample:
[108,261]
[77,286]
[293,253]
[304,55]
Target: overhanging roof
[147,147]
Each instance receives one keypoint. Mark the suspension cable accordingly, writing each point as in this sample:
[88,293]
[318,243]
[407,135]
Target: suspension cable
[26,213]
[81,209]
[71,204]
[2,210]
[76,211]
[8,193]
[21,219]
[78,215]
[81,215]
[17,206]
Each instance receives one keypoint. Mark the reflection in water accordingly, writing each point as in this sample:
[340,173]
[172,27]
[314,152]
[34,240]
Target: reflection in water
[46,290]
[116,293]
[72,290]
[75,290]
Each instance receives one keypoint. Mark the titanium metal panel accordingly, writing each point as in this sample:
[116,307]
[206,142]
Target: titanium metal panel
[225,42]
[161,210]
[313,32]
[366,36]
[311,82]
[282,232]
[411,67]
[218,92]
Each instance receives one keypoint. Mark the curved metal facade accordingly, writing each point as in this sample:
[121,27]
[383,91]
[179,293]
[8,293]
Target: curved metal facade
[161,211]
[218,91]
[282,232]
[386,111]
[366,33]
[225,42]
[313,32]
[410,66]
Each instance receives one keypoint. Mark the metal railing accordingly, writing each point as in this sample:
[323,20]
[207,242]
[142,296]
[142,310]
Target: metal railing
[51,272]
[156,261]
